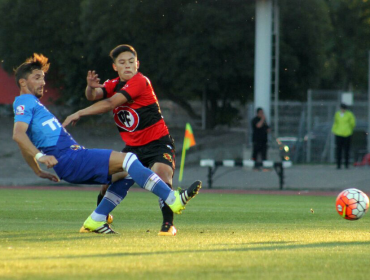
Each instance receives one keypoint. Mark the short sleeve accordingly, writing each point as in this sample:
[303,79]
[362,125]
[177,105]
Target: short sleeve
[108,88]
[23,110]
[135,87]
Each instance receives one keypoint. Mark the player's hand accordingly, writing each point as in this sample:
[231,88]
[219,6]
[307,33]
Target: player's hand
[46,175]
[93,80]
[71,119]
[49,161]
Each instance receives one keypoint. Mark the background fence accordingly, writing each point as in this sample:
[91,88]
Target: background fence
[304,126]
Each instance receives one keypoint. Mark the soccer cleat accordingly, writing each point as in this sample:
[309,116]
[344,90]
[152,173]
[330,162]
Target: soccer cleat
[98,227]
[192,191]
[109,219]
[167,230]
[184,196]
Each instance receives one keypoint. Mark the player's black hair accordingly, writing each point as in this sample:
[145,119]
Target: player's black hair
[258,110]
[120,49]
[36,61]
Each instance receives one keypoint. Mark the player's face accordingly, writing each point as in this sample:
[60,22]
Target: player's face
[34,83]
[126,64]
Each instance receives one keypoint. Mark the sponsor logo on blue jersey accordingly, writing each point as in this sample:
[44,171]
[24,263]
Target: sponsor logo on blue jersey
[20,110]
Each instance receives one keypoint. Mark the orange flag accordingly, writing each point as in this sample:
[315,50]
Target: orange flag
[189,141]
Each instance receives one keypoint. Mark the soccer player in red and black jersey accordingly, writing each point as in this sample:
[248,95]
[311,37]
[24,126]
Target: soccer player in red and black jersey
[138,118]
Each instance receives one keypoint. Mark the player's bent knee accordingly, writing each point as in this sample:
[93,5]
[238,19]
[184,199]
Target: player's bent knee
[164,171]
[119,176]
[115,162]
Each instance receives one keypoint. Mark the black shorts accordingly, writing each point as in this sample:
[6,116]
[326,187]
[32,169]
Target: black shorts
[161,150]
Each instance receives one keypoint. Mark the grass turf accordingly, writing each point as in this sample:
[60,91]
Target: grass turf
[220,236]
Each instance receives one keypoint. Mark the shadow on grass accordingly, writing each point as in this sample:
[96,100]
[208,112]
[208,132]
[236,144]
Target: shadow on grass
[251,248]
[49,236]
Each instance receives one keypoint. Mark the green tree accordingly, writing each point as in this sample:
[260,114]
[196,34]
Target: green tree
[187,48]
[37,26]
[350,44]
[215,53]
[304,59]
[191,50]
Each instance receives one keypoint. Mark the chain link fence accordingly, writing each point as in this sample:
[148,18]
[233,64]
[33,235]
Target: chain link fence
[308,125]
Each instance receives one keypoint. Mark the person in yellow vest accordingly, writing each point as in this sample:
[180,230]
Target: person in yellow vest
[344,123]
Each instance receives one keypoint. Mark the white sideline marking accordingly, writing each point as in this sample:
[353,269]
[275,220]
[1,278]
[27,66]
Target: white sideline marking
[228,163]
[246,163]
[207,162]
[268,163]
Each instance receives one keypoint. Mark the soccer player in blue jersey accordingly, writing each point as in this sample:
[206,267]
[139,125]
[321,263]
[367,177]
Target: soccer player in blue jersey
[41,138]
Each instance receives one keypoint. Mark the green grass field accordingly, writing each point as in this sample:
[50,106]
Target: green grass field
[220,236]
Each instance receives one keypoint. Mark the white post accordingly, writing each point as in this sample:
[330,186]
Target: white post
[276,79]
[309,125]
[262,69]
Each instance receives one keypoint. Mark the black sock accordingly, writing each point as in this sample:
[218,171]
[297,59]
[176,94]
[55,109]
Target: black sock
[167,212]
[100,198]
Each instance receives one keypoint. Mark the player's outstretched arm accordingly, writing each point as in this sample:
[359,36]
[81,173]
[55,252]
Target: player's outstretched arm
[94,88]
[47,175]
[100,107]
[29,151]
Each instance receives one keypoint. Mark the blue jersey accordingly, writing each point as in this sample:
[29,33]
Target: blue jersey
[44,130]
[75,163]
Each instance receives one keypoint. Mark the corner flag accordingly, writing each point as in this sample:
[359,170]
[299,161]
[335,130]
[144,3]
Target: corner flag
[189,141]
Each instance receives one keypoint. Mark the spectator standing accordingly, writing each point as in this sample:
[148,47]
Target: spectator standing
[260,131]
[344,123]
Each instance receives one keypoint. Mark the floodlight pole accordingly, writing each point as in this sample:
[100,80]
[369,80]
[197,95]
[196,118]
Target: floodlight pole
[276,66]
[309,125]
[262,58]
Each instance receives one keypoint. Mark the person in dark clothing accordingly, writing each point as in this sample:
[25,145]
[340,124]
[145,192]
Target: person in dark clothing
[259,137]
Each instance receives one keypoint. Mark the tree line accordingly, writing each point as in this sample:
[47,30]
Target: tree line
[191,49]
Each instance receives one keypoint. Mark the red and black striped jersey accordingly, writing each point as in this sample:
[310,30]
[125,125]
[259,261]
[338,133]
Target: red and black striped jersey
[139,120]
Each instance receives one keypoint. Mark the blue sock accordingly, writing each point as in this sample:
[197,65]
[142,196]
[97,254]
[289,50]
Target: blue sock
[145,177]
[114,195]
